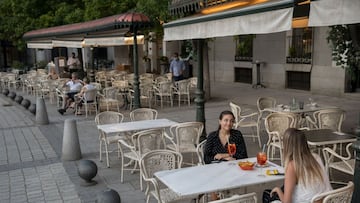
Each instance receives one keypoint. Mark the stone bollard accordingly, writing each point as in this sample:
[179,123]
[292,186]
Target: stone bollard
[108,196]
[71,146]
[41,113]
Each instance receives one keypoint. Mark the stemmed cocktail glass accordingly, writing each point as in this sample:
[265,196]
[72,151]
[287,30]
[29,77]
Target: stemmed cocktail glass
[231,149]
[261,161]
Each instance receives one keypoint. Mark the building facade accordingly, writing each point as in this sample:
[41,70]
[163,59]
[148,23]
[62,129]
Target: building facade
[297,58]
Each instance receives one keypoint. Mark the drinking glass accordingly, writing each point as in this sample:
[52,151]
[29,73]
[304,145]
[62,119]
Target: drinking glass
[231,149]
[261,161]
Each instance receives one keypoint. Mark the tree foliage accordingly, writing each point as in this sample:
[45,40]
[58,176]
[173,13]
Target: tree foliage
[345,52]
[20,16]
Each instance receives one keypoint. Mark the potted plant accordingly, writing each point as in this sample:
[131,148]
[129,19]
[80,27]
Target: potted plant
[164,60]
[41,64]
[346,52]
[17,66]
[164,64]
[147,62]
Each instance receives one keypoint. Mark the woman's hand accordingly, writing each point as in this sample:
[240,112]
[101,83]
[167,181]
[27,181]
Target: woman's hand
[275,190]
[222,156]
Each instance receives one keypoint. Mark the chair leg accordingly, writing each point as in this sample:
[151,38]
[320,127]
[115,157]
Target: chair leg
[100,151]
[107,155]
[188,96]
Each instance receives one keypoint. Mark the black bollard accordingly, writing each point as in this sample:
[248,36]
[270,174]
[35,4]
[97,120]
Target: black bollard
[108,196]
[18,99]
[32,108]
[25,103]
[5,92]
[12,95]
[87,170]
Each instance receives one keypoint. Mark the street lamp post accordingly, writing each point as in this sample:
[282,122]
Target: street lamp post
[136,72]
[199,100]
[356,147]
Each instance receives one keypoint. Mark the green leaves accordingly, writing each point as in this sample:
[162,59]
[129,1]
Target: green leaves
[20,16]
[345,52]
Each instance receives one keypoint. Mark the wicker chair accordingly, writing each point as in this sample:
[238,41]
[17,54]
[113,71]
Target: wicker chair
[108,117]
[182,88]
[343,164]
[143,114]
[275,125]
[246,121]
[245,198]
[154,161]
[109,98]
[342,195]
[88,100]
[140,143]
[163,90]
[185,137]
[327,119]
[262,104]
[200,152]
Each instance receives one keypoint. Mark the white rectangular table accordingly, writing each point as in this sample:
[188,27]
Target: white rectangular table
[135,125]
[190,181]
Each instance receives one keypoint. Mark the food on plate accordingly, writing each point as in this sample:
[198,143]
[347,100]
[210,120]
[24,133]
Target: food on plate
[246,165]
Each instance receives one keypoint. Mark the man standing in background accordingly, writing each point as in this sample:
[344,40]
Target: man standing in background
[177,68]
[73,63]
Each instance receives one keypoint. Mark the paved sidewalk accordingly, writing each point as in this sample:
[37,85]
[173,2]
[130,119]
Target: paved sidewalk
[31,169]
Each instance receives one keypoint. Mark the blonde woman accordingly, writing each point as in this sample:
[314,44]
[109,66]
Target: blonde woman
[52,74]
[305,174]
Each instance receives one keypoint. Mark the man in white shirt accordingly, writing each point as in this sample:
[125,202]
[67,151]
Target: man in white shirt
[75,86]
[73,63]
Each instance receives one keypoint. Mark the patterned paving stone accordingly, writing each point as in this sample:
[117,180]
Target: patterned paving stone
[37,184]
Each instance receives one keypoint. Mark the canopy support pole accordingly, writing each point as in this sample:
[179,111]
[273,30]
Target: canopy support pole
[199,100]
[136,72]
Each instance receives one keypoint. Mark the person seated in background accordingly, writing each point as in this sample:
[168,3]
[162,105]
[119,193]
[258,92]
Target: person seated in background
[75,86]
[305,175]
[216,147]
[52,74]
[81,94]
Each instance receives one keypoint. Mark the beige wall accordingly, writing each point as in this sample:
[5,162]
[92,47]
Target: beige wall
[272,50]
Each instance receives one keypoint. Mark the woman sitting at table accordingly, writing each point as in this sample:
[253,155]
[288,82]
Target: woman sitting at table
[52,74]
[216,147]
[305,174]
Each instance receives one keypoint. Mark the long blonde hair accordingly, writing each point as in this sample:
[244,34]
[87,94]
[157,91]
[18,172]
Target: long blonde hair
[296,149]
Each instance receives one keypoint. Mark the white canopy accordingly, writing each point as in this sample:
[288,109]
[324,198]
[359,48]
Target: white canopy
[334,12]
[275,16]
[39,45]
[111,41]
[66,43]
